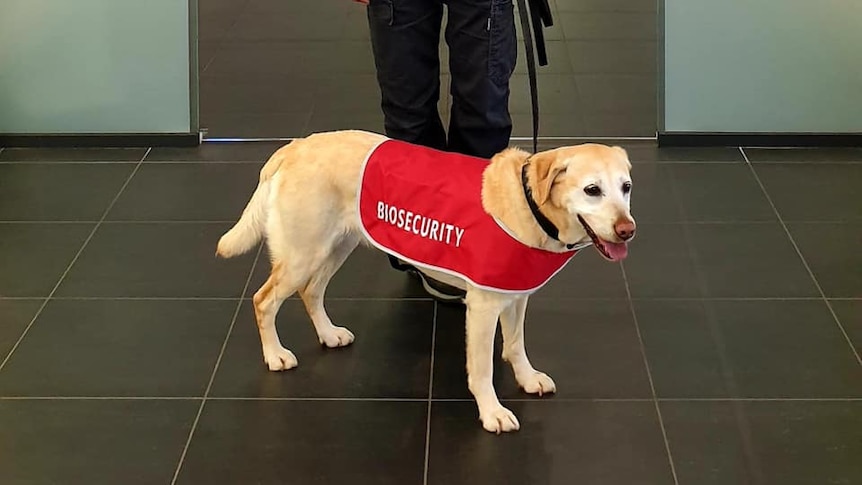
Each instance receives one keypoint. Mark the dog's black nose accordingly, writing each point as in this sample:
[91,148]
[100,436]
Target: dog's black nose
[625,229]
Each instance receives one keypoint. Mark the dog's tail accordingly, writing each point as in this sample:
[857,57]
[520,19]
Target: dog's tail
[249,230]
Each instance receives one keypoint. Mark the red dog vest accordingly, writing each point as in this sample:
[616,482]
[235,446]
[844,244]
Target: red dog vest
[424,206]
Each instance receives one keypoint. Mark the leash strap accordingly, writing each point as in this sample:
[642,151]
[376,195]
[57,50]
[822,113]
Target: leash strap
[540,13]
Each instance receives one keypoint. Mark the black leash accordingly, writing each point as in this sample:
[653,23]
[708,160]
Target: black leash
[540,12]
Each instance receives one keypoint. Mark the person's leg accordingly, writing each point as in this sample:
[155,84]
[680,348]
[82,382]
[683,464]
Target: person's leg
[482,55]
[405,38]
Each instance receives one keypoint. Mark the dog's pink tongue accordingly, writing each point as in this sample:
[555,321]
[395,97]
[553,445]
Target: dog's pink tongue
[616,251]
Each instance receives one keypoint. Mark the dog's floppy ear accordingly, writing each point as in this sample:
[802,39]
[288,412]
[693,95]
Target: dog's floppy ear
[622,152]
[547,167]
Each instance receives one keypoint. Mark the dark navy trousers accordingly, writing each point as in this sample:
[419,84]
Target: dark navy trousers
[480,34]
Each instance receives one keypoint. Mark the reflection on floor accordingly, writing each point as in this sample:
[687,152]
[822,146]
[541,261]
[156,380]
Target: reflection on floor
[722,351]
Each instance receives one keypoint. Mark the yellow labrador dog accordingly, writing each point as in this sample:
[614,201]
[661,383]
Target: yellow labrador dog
[312,183]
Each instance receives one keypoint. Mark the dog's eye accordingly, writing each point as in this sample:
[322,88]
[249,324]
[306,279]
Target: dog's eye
[627,187]
[593,190]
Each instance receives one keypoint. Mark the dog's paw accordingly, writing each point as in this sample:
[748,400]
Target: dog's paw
[537,383]
[499,420]
[280,359]
[336,337]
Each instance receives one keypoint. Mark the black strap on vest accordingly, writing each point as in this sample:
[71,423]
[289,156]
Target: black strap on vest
[550,229]
[540,12]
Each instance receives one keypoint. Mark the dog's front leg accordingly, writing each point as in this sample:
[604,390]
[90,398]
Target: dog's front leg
[512,323]
[483,310]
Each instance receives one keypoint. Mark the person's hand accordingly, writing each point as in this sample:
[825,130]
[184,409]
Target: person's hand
[363,2]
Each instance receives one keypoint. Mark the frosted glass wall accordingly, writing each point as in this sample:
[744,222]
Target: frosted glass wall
[96,66]
[763,66]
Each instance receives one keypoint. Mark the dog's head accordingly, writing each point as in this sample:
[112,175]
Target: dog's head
[586,191]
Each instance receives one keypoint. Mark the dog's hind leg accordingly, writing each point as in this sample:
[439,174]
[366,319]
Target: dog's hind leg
[267,301]
[514,351]
[313,293]
[304,261]
[283,282]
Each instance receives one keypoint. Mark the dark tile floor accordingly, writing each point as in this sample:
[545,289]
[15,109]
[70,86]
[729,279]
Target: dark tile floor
[276,68]
[721,352]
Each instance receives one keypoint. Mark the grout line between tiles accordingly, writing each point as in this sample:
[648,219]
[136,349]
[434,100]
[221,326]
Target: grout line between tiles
[213,221]
[718,339]
[761,399]
[69,162]
[779,162]
[321,399]
[793,221]
[429,299]
[782,148]
[263,160]
[655,400]
[216,366]
[208,162]
[126,298]
[637,162]
[74,260]
[802,258]
[436,400]
[226,36]
[100,398]
[48,222]
[513,138]
[206,66]
[201,298]
[60,221]
[309,117]
[232,221]
[430,398]
[550,398]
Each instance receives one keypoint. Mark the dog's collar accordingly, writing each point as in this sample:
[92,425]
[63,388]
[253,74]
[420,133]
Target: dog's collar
[550,229]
